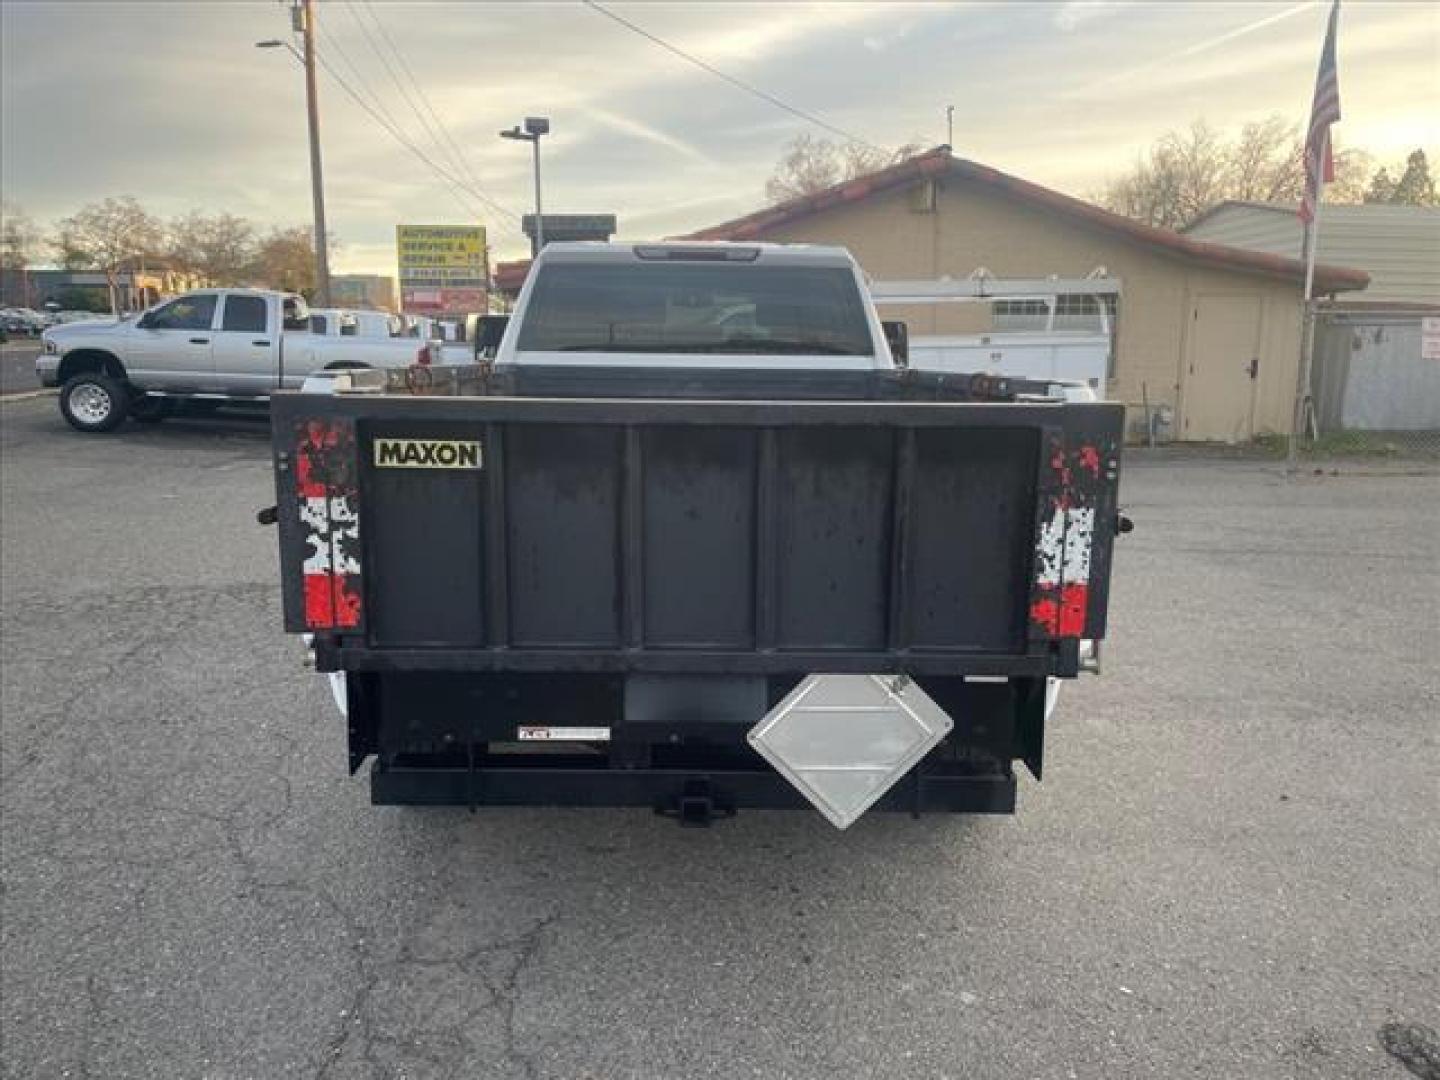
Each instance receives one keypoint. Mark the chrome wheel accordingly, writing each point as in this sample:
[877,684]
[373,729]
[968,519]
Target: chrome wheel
[91,404]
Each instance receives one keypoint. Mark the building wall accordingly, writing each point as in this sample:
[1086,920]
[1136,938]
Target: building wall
[1398,246]
[893,237]
[374,291]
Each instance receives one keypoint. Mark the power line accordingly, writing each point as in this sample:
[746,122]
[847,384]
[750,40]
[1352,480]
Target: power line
[332,42]
[460,187]
[395,80]
[457,155]
[732,80]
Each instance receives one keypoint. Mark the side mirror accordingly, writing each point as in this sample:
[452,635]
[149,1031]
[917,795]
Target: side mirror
[489,334]
[145,322]
[897,335]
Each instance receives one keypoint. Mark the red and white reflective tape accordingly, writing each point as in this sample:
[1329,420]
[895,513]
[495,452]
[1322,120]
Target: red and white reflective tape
[329,514]
[1062,572]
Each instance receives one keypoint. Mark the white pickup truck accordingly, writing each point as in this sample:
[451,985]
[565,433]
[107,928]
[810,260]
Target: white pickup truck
[338,322]
[209,346]
[698,528]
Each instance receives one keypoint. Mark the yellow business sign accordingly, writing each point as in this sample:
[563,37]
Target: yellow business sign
[442,269]
[441,247]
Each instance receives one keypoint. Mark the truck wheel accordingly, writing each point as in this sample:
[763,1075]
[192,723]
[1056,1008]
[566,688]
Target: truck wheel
[94,402]
[151,410]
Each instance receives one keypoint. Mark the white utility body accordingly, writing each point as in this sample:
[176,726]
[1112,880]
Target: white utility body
[1058,346]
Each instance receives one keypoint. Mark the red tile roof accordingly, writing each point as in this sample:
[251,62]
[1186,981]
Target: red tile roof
[940,162]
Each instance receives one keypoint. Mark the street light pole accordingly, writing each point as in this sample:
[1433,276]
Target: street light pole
[317,186]
[539,213]
[535,126]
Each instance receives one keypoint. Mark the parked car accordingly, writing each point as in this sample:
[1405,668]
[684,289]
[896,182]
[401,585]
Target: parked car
[21,322]
[211,345]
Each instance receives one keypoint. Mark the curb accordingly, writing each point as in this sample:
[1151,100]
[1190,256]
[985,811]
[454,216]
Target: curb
[28,395]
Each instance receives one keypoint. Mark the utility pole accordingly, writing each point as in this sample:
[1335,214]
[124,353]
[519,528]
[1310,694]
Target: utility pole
[304,12]
[950,126]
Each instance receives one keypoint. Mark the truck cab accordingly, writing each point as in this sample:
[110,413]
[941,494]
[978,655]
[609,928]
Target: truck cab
[717,306]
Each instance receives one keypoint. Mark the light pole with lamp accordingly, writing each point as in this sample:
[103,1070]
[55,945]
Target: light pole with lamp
[304,14]
[535,126]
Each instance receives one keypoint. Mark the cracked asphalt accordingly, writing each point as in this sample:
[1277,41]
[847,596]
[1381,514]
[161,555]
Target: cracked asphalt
[1230,871]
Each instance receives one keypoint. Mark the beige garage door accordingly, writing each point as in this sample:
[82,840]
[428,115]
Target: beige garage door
[1218,398]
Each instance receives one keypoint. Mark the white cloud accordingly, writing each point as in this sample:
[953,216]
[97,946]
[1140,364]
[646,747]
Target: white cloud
[1168,61]
[1076,13]
[628,125]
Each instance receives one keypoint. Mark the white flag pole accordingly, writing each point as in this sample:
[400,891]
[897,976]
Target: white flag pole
[1303,403]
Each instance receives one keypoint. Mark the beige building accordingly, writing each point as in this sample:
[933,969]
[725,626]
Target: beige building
[366,292]
[1212,332]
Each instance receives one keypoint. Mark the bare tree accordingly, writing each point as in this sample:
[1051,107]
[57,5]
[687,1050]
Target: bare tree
[285,259]
[810,165]
[19,244]
[1266,162]
[109,236]
[220,248]
[1186,172]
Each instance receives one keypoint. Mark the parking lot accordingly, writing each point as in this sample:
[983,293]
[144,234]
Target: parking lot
[1229,871]
[17,366]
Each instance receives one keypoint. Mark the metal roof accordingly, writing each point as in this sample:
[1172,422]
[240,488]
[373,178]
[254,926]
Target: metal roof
[1399,246]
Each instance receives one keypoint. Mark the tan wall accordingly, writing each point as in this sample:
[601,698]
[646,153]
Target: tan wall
[973,227]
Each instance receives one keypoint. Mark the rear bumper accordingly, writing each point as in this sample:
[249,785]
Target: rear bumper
[668,791]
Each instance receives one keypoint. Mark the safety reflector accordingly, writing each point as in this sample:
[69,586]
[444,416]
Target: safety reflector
[843,740]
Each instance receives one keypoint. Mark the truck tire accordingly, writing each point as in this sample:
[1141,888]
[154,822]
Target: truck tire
[94,402]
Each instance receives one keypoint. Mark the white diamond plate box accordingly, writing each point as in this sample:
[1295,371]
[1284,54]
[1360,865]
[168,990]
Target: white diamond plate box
[843,740]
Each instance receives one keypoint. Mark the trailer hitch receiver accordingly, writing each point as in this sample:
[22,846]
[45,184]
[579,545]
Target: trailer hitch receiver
[696,805]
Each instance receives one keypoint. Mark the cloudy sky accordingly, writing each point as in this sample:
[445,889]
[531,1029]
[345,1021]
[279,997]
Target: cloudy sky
[170,102]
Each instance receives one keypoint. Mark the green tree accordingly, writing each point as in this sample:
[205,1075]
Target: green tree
[1382,188]
[73,299]
[1415,187]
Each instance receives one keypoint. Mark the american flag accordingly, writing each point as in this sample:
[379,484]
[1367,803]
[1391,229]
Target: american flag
[1324,111]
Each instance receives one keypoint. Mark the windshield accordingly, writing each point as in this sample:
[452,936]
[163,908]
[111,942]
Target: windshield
[710,308]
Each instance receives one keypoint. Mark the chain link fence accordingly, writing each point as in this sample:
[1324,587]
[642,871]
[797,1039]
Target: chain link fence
[1375,385]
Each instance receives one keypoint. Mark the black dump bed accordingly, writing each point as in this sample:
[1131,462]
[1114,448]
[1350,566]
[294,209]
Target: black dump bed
[900,530]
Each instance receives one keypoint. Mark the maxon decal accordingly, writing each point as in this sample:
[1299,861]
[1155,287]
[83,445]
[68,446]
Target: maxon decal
[427,454]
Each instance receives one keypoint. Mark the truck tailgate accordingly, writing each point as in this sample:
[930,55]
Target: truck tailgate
[491,533]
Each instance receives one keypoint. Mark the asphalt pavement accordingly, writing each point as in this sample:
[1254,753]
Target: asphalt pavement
[17,366]
[1230,869]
